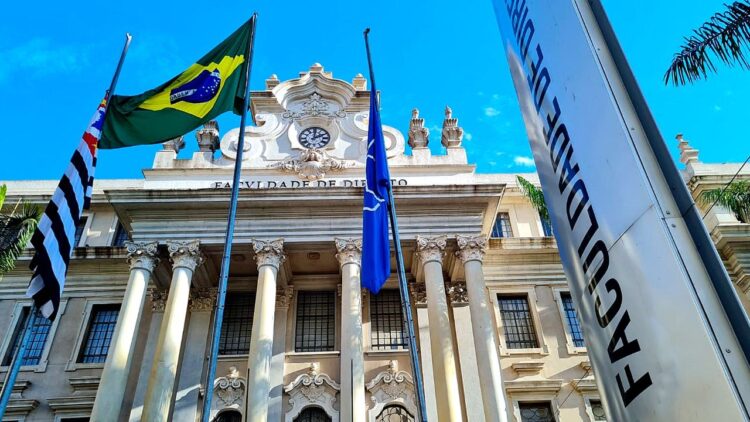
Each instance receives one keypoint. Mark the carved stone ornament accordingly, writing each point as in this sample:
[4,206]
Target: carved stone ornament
[269,252]
[230,389]
[310,164]
[142,255]
[158,300]
[471,248]
[314,106]
[418,294]
[208,136]
[452,134]
[392,387]
[202,300]
[457,293]
[312,388]
[186,254]
[175,144]
[431,249]
[418,134]
[349,251]
[284,297]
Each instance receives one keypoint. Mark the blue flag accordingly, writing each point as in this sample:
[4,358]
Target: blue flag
[376,248]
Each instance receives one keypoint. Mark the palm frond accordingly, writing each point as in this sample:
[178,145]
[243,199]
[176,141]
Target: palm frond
[15,232]
[535,196]
[726,35]
[3,191]
[735,197]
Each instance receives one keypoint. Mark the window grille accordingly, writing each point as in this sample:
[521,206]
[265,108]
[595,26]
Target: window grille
[237,324]
[99,333]
[79,231]
[517,322]
[34,350]
[394,413]
[387,321]
[502,226]
[598,410]
[121,235]
[313,414]
[572,317]
[316,321]
[536,412]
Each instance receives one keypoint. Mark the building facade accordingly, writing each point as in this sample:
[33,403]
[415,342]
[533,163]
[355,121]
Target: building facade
[301,341]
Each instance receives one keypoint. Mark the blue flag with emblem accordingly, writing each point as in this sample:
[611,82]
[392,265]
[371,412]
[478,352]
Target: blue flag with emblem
[376,248]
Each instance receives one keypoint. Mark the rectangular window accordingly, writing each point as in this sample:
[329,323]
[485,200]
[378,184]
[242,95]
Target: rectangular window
[572,317]
[598,410]
[387,321]
[99,333]
[536,412]
[121,235]
[517,322]
[316,322]
[79,231]
[34,349]
[547,227]
[237,324]
[502,226]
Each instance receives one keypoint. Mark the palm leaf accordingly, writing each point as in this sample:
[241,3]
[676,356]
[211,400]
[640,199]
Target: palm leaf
[535,196]
[735,197]
[15,232]
[726,35]
[3,191]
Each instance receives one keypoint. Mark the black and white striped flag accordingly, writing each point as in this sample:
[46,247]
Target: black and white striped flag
[54,236]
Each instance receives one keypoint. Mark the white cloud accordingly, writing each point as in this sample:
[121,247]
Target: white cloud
[491,111]
[520,160]
[40,57]
[717,107]
[468,136]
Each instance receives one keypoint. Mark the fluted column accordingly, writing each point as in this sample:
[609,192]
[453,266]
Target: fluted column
[185,256]
[276,403]
[471,252]
[353,405]
[431,251]
[111,392]
[268,255]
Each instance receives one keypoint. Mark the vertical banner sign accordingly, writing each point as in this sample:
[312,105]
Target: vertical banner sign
[657,329]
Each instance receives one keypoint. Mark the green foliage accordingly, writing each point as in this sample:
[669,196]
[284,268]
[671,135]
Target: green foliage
[736,197]
[535,196]
[16,228]
[726,35]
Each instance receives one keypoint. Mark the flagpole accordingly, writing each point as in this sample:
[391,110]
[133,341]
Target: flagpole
[224,277]
[17,362]
[405,301]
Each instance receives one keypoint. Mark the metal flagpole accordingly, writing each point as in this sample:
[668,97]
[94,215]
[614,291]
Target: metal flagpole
[16,363]
[224,277]
[405,301]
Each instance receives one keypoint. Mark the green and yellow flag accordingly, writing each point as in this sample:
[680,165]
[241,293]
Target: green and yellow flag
[213,85]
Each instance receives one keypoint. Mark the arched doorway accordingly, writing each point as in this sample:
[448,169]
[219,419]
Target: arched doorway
[394,413]
[229,416]
[313,414]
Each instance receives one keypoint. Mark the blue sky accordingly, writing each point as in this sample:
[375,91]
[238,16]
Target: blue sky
[58,58]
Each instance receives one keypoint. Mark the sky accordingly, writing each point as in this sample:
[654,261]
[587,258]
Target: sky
[58,58]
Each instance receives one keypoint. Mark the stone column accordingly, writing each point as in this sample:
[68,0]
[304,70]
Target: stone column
[185,257]
[111,392]
[269,255]
[431,251]
[276,404]
[419,299]
[353,407]
[471,252]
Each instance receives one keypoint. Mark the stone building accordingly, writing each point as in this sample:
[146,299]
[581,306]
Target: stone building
[300,340]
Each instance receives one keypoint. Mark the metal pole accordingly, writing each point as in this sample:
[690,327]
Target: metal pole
[15,366]
[224,277]
[116,76]
[405,301]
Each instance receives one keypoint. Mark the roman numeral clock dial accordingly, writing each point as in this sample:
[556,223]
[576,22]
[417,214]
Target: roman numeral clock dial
[314,137]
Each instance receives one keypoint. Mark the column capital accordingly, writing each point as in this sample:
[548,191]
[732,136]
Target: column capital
[431,248]
[142,255]
[471,248]
[457,293]
[269,252]
[349,250]
[158,299]
[418,293]
[284,297]
[185,253]
[203,300]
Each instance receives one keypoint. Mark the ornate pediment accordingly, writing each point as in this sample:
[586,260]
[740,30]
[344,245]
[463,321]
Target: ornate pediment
[392,387]
[312,388]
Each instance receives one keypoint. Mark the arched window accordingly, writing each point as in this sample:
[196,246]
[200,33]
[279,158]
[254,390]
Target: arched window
[394,413]
[312,414]
[229,416]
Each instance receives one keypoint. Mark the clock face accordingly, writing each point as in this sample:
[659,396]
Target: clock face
[314,137]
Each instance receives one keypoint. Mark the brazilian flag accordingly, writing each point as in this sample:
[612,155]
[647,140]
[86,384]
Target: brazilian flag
[213,85]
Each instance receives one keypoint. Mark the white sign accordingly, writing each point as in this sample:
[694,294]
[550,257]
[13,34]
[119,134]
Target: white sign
[659,341]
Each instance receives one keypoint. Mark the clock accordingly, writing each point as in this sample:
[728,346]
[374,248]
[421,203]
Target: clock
[314,137]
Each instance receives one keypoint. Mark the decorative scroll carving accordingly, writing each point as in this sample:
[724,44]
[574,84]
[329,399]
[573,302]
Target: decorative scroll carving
[452,133]
[392,387]
[208,136]
[418,294]
[269,252]
[230,389]
[284,297]
[312,388]
[349,251]
[314,106]
[175,144]
[431,248]
[471,248]
[202,300]
[310,164]
[142,255]
[457,294]
[185,254]
[158,300]
[419,136]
